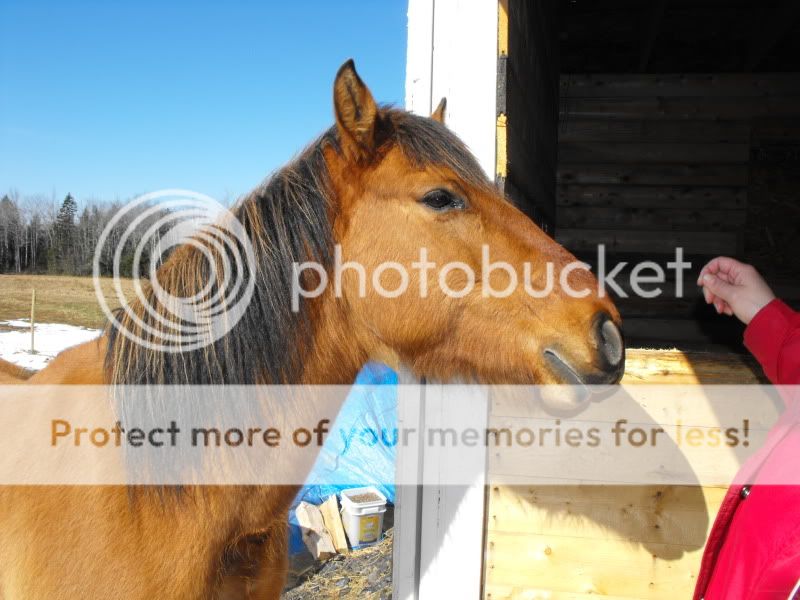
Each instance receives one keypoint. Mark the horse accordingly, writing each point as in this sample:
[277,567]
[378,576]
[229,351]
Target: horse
[380,184]
[11,373]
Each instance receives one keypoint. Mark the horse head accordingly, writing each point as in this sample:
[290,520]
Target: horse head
[441,273]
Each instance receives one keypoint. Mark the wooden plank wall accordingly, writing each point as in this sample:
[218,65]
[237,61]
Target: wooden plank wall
[773,199]
[605,541]
[648,162]
[527,107]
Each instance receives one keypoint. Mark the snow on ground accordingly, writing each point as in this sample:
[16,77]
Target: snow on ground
[49,340]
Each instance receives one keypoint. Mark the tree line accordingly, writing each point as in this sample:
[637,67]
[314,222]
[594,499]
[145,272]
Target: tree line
[39,235]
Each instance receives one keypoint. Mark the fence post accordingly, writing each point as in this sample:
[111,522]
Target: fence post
[33,318]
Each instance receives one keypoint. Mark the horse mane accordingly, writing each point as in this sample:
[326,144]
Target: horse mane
[288,219]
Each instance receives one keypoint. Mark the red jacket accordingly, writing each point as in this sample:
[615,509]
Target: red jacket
[753,551]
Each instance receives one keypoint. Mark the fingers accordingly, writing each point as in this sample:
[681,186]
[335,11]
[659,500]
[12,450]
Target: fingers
[728,283]
[715,279]
[722,307]
[722,266]
[718,288]
[708,295]
[711,266]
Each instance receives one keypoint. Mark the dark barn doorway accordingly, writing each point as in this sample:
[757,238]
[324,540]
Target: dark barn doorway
[678,124]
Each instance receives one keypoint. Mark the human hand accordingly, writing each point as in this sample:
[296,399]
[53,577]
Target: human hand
[734,288]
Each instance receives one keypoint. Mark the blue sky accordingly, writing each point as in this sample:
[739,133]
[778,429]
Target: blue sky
[110,99]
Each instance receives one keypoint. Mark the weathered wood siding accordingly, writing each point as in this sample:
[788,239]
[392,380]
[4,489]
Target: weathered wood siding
[773,208]
[527,107]
[647,162]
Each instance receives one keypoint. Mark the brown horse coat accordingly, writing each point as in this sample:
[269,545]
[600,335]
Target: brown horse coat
[381,184]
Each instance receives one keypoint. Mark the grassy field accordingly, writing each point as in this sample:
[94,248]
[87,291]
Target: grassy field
[59,299]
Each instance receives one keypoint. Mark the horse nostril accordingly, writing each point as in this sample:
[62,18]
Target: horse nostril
[609,338]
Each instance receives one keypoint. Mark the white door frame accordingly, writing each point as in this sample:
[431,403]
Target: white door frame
[439,528]
[452,53]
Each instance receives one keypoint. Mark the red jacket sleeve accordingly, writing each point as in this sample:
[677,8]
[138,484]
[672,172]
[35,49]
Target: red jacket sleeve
[773,336]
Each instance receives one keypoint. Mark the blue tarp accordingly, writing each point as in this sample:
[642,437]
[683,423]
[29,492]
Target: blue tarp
[352,456]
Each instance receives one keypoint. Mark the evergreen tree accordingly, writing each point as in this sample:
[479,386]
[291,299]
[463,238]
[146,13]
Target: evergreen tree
[11,236]
[65,234]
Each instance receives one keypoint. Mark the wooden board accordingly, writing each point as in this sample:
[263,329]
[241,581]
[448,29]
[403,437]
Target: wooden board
[652,152]
[676,367]
[641,130]
[632,196]
[510,592]
[597,567]
[649,242]
[684,332]
[527,101]
[708,85]
[580,542]
[333,523]
[654,219]
[315,536]
[539,190]
[681,108]
[648,174]
[667,142]
[774,200]
[620,513]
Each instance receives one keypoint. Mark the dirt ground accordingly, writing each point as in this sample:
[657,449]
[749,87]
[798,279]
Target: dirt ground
[361,575]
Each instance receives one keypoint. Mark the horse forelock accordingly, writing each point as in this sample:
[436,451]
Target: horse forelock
[428,143]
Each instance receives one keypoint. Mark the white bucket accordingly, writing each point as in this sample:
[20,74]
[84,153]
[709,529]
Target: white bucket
[362,515]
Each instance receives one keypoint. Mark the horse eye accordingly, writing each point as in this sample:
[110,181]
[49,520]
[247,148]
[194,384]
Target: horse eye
[442,200]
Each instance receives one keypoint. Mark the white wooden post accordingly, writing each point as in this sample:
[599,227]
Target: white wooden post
[452,514]
[408,498]
[438,532]
[452,53]
[438,543]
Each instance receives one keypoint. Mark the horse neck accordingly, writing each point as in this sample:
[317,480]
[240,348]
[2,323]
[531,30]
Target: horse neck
[336,354]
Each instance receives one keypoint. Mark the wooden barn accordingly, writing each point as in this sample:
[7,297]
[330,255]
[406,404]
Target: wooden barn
[642,127]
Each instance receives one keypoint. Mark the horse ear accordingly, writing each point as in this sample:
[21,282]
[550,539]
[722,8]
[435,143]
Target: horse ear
[356,111]
[438,114]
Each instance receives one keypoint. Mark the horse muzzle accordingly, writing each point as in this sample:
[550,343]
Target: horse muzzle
[606,368]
